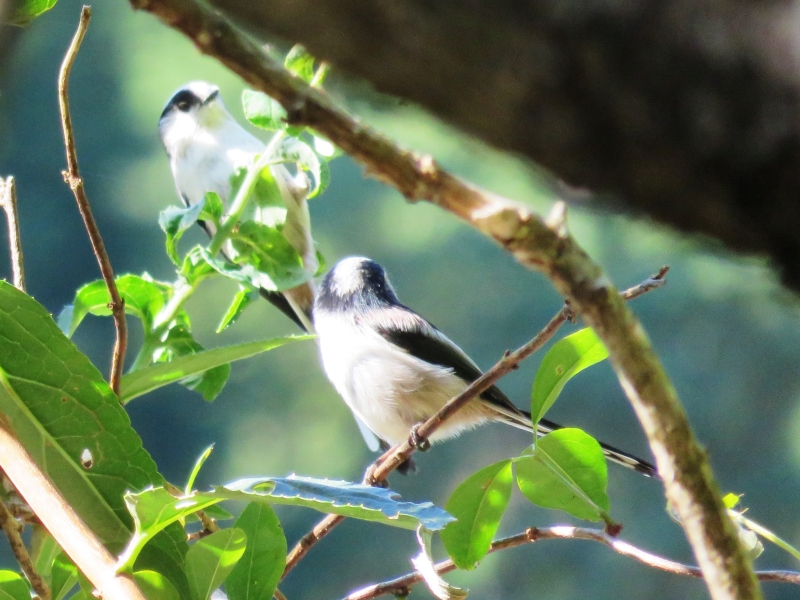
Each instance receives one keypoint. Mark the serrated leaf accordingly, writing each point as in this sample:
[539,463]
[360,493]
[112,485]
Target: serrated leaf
[264,248]
[22,12]
[63,576]
[158,375]
[566,470]
[478,504]
[300,62]
[257,574]
[338,497]
[155,586]
[211,559]
[60,407]
[13,586]
[243,298]
[262,111]
[195,267]
[174,221]
[143,298]
[563,361]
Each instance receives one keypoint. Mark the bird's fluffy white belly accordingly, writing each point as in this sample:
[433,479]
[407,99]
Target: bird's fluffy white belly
[390,390]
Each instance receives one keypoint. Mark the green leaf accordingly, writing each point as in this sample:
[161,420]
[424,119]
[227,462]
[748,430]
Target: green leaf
[213,208]
[195,267]
[174,221]
[155,376]
[563,361]
[243,298]
[155,586]
[22,12]
[300,62]
[566,470]
[257,574]
[325,148]
[61,409]
[153,510]
[211,559]
[297,151]
[13,586]
[338,497]
[43,550]
[63,576]
[478,504]
[179,343]
[198,464]
[264,248]
[143,298]
[262,111]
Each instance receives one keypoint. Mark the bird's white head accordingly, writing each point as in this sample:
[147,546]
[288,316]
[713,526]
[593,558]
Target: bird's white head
[192,110]
[355,282]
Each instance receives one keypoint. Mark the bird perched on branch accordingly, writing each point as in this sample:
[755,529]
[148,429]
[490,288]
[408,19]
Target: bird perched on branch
[205,145]
[395,370]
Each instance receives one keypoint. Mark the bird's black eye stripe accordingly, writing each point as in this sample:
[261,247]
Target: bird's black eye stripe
[183,101]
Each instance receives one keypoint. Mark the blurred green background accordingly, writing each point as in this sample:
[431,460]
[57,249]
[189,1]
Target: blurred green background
[726,332]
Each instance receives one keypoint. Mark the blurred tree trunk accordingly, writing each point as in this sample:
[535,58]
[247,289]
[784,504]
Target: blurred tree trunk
[687,110]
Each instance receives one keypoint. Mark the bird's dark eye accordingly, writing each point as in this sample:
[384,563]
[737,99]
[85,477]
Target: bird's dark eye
[183,106]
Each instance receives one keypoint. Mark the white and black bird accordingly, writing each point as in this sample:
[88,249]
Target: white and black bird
[205,145]
[395,370]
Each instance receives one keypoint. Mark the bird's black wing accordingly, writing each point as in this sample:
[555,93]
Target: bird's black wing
[411,332]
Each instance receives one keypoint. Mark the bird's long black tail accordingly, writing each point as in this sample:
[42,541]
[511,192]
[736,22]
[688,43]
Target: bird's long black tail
[523,421]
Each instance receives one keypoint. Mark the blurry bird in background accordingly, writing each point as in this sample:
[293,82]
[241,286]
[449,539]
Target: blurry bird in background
[395,370]
[205,145]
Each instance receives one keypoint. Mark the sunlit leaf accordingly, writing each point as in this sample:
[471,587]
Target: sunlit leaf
[266,249]
[158,375]
[22,12]
[566,470]
[143,297]
[300,62]
[198,464]
[13,586]
[213,208]
[262,111]
[155,586]
[174,221]
[563,361]
[63,576]
[211,559]
[243,298]
[339,497]
[478,504]
[153,510]
[424,565]
[297,151]
[260,569]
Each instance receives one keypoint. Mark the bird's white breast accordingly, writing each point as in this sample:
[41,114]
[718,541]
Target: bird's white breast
[387,388]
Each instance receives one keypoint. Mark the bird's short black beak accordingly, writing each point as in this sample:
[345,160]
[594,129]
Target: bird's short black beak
[211,97]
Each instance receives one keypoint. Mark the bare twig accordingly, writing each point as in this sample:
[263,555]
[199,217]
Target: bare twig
[66,527]
[401,585]
[13,531]
[682,463]
[278,595]
[378,471]
[9,201]
[73,178]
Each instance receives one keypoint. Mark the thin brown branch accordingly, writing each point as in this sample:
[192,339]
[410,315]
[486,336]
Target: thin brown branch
[13,531]
[378,471]
[682,463]
[67,528]
[72,177]
[209,524]
[9,202]
[278,595]
[402,585]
